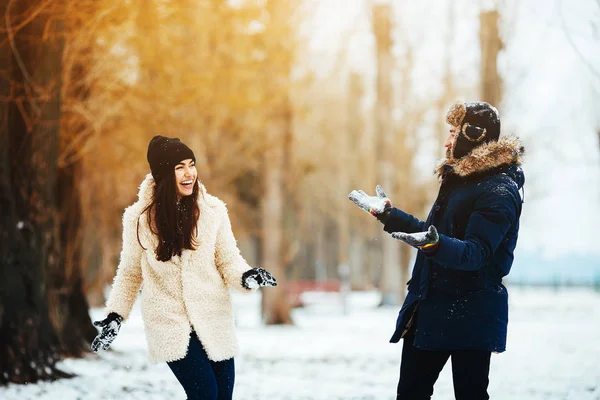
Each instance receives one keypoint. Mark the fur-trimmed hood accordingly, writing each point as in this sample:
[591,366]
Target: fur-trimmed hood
[505,152]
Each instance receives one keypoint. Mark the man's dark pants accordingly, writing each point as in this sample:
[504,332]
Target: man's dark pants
[419,369]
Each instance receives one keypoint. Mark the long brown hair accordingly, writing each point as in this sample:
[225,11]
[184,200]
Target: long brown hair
[175,222]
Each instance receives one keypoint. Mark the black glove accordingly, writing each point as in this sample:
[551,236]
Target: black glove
[379,206]
[110,327]
[256,277]
[426,241]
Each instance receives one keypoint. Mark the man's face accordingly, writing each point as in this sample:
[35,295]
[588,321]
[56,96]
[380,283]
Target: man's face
[450,141]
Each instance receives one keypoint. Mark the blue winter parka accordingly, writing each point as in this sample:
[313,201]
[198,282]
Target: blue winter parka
[455,295]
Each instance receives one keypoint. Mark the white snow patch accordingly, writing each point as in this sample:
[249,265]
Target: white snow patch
[553,353]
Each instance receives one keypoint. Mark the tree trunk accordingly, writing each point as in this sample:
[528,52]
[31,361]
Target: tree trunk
[359,279]
[382,26]
[68,304]
[320,236]
[491,44]
[351,246]
[343,225]
[29,129]
[275,308]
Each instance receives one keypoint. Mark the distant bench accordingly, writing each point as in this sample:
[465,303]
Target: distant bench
[294,289]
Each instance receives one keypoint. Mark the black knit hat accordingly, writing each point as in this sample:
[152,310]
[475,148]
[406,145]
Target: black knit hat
[477,123]
[164,153]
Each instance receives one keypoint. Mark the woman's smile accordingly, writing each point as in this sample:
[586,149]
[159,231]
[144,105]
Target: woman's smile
[186,187]
[185,175]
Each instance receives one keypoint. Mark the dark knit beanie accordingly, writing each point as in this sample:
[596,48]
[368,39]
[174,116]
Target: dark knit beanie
[477,123]
[164,153]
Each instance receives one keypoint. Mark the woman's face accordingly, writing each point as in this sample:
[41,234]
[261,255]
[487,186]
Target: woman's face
[185,177]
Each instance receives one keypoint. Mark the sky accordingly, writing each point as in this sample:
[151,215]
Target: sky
[551,97]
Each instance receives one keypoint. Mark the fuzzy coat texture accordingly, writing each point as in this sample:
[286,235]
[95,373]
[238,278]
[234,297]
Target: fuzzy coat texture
[187,292]
[457,290]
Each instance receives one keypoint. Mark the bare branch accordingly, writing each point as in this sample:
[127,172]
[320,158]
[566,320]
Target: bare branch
[17,56]
[585,61]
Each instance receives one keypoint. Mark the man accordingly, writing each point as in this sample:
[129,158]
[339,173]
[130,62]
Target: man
[457,306]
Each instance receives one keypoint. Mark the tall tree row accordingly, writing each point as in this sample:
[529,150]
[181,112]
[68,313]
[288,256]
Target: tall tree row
[215,74]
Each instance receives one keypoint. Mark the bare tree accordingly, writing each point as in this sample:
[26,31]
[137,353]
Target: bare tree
[275,309]
[595,27]
[491,44]
[382,27]
[278,64]
[355,249]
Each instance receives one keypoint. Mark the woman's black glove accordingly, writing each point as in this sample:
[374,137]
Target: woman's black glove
[256,277]
[110,328]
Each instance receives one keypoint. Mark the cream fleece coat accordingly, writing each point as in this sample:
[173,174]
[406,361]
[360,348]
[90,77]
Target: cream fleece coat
[184,293]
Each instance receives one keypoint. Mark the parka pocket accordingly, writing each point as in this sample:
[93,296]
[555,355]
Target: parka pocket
[456,283]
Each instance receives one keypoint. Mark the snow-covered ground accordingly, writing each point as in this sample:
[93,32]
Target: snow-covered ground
[553,353]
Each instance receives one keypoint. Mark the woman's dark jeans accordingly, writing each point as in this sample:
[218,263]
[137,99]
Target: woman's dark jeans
[201,378]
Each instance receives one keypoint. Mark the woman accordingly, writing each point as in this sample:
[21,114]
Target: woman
[179,247]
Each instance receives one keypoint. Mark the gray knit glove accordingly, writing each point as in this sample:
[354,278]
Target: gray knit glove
[427,241]
[374,205]
[378,206]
